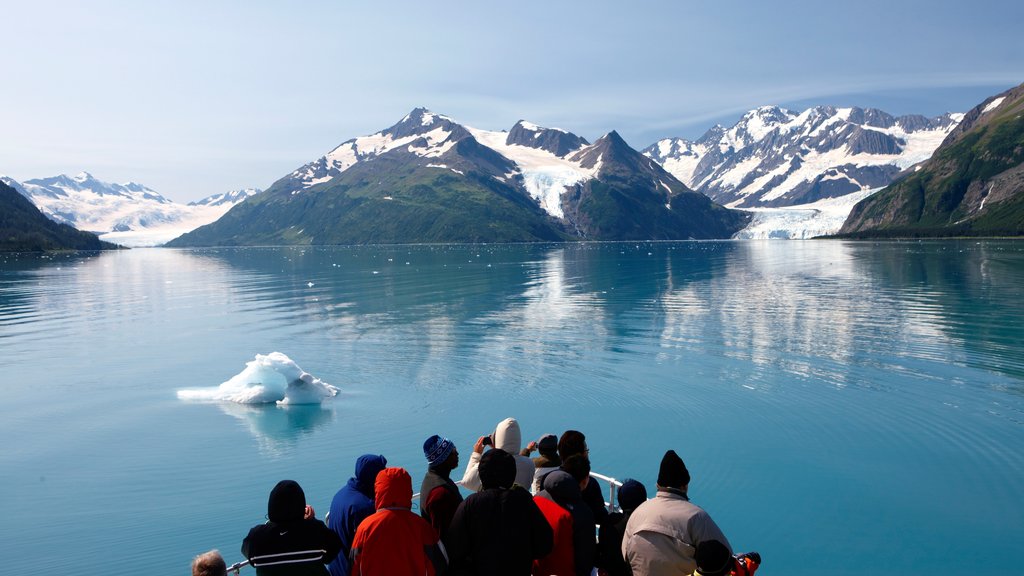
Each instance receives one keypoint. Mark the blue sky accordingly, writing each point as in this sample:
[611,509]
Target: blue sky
[197,98]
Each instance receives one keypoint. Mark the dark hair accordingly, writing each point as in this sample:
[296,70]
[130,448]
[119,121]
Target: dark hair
[497,469]
[578,466]
[572,442]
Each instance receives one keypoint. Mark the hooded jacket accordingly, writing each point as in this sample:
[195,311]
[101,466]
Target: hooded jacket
[351,505]
[394,541]
[507,437]
[561,488]
[288,545]
[662,535]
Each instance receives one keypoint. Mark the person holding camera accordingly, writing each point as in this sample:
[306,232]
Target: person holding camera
[507,437]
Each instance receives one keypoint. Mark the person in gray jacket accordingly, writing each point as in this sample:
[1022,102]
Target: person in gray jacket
[662,535]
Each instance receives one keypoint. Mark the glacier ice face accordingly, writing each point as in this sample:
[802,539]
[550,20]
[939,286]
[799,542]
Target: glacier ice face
[268,378]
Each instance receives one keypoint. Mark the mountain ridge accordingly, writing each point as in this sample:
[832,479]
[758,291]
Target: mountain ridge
[476,177]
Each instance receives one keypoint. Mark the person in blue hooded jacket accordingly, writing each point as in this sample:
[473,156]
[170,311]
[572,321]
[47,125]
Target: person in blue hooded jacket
[353,503]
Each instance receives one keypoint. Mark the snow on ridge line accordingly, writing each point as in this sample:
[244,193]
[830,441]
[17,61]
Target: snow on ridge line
[993,105]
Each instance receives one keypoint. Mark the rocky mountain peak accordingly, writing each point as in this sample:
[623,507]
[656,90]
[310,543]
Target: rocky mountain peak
[555,140]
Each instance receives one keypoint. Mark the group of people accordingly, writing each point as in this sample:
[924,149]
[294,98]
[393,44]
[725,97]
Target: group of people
[525,516]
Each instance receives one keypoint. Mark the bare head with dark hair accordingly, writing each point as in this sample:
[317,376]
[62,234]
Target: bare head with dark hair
[572,442]
[209,564]
[578,466]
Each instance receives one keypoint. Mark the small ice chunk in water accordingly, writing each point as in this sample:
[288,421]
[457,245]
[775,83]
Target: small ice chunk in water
[269,378]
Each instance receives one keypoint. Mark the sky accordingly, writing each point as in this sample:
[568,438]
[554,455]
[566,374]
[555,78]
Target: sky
[198,98]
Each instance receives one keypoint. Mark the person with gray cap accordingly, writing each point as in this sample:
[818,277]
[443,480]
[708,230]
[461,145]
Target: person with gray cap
[662,535]
[498,531]
[439,495]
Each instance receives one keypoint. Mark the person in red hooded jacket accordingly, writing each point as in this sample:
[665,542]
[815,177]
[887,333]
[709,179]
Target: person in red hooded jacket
[394,541]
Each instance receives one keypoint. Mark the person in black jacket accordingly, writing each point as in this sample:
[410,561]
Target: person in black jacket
[292,542]
[632,493]
[498,531]
[574,442]
[564,489]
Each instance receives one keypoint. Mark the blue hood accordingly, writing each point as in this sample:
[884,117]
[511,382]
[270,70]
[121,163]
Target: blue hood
[367,468]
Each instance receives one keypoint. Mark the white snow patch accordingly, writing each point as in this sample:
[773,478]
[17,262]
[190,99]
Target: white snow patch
[993,105]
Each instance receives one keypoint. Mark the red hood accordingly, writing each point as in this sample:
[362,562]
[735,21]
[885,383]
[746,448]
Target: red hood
[393,489]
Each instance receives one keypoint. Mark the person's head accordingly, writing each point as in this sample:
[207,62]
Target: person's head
[563,488]
[287,502]
[367,468]
[548,445]
[209,564]
[578,466]
[713,558]
[393,489]
[497,469]
[440,452]
[632,493]
[507,436]
[673,472]
[572,442]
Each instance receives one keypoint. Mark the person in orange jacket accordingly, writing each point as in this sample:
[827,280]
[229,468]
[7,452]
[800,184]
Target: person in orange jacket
[395,541]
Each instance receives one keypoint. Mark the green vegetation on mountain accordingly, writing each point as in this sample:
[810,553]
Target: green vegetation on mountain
[23,228]
[972,186]
[385,201]
[634,198]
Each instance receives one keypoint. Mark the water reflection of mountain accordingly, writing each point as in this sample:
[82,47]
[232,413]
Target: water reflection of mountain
[278,428]
[971,291]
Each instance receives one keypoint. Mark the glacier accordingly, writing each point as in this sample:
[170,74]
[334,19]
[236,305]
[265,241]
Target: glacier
[269,378]
[821,218]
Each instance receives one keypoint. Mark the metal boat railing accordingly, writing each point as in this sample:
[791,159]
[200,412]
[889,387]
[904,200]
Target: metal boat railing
[611,503]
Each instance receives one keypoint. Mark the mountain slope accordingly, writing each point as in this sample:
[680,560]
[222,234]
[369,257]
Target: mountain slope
[430,179]
[973,185]
[633,198]
[775,157]
[24,228]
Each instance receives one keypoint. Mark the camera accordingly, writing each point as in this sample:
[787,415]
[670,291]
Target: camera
[488,441]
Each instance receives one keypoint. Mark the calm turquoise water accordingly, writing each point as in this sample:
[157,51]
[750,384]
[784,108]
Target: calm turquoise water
[844,408]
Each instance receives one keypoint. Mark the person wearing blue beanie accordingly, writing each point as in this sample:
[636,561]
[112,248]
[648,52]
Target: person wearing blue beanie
[439,496]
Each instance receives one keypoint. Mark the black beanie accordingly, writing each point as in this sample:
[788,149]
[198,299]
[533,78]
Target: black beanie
[673,472]
[287,502]
[631,494]
[497,469]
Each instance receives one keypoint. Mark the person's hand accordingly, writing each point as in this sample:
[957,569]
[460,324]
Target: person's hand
[479,446]
[531,446]
[309,514]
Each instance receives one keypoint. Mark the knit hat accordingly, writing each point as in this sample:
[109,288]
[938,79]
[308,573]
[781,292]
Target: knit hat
[713,558]
[497,469]
[673,472]
[548,444]
[437,449]
[632,494]
[287,502]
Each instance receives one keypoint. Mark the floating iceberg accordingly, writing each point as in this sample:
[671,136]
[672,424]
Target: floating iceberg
[269,378]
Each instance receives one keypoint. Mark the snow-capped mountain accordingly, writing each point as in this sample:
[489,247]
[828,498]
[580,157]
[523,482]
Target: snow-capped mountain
[228,199]
[129,214]
[775,157]
[443,181]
